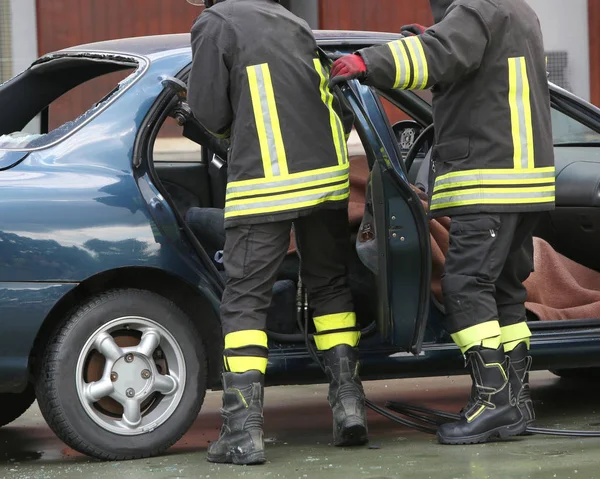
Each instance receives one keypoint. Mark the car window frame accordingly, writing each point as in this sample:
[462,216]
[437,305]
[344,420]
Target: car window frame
[141,64]
[577,109]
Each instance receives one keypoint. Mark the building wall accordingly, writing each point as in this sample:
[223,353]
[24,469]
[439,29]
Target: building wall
[24,34]
[73,22]
[566,28]
[5,41]
[379,15]
[307,9]
[594,31]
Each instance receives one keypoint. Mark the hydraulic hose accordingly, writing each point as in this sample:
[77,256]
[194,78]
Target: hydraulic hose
[422,413]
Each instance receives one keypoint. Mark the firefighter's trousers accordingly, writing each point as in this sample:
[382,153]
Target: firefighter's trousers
[489,258]
[252,257]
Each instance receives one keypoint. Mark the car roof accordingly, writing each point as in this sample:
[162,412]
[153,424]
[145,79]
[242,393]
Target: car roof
[160,44]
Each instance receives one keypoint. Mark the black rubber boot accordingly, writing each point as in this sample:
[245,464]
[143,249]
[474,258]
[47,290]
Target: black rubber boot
[241,440]
[494,413]
[520,364]
[346,396]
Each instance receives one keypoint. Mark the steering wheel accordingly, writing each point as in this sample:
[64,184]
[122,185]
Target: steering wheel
[426,135]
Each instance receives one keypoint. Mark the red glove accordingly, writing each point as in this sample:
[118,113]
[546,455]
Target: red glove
[412,30]
[347,68]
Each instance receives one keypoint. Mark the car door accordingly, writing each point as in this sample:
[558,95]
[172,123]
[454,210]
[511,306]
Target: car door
[401,231]
[574,226]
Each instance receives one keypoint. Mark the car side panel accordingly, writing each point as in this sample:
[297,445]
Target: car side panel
[73,210]
[78,209]
[23,309]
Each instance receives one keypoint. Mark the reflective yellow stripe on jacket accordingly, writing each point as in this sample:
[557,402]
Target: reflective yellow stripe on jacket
[337,129]
[523,184]
[494,187]
[279,190]
[412,71]
[520,112]
[285,193]
[267,120]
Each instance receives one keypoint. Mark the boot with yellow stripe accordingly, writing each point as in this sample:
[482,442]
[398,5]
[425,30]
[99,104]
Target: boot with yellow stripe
[494,413]
[337,338]
[346,396]
[241,440]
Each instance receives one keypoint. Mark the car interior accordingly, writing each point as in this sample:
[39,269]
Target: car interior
[195,181]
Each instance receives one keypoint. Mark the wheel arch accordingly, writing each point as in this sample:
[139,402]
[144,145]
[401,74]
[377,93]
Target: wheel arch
[174,288]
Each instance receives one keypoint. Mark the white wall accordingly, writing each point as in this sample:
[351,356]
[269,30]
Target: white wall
[566,28]
[24,34]
[307,9]
[24,42]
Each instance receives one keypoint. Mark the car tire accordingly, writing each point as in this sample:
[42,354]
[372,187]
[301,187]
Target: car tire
[13,406]
[65,398]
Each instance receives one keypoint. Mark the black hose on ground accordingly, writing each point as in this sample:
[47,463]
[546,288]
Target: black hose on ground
[426,414]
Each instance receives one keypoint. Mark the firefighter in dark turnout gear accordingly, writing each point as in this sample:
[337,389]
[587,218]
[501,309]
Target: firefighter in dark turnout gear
[257,78]
[492,172]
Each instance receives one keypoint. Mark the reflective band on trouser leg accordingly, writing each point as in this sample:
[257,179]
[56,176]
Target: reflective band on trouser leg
[243,364]
[337,128]
[239,340]
[515,334]
[333,330]
[485,334]
[243,339]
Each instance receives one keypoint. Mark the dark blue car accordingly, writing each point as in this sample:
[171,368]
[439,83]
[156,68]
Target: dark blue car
[109,303]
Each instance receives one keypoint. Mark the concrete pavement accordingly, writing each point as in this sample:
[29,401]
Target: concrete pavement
[298,428]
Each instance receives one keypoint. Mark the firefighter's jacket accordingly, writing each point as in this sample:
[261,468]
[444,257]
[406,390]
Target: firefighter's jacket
[486,65]
[256,77]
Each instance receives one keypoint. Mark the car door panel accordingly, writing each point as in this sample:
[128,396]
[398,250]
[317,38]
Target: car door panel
[573,228]
[404,255]
[404,261]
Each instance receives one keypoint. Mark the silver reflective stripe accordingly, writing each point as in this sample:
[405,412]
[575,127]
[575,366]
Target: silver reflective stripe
[468,197]
[484,178]
[338,122]
[333,175]
[275,203]
[264,104]
[404,70]
[419,70]
[521,114]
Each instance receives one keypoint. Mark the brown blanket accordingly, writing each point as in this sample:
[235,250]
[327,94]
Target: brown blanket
[559,288]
